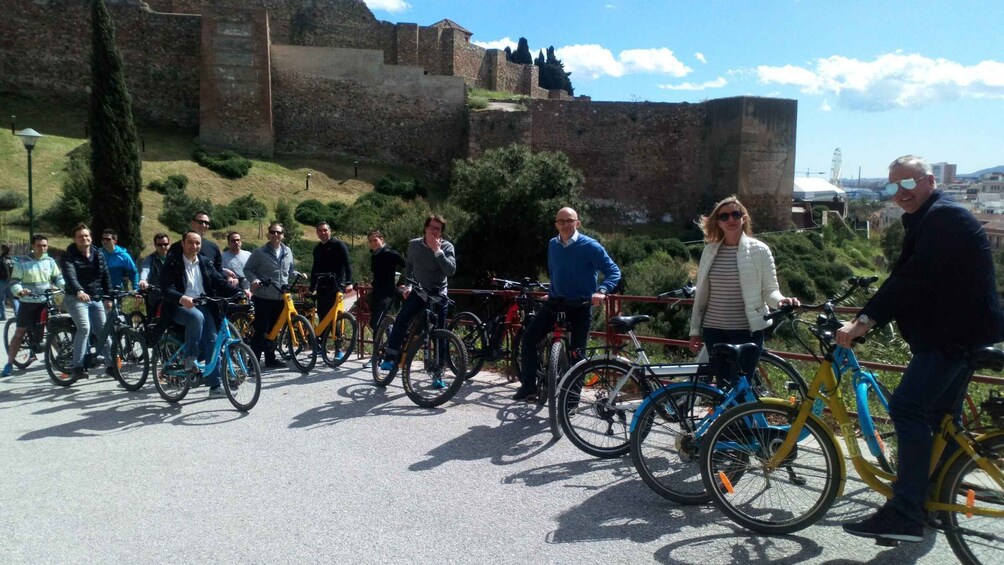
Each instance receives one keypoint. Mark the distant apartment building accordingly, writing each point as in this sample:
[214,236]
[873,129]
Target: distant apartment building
[944,172]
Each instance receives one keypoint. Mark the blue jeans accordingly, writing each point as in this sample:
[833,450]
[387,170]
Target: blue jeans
[4,285]
[200,337]
[89,317]
[412,305]
[748,361]
[929,389]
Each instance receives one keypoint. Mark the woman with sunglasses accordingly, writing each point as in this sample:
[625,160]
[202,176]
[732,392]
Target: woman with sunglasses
[736,282]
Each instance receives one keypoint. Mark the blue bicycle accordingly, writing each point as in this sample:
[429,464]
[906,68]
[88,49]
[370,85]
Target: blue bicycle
[238,366]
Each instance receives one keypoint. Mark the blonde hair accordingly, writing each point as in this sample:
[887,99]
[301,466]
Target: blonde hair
[709,224]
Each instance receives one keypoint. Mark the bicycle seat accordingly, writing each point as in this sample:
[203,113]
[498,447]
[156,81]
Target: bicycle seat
[986,358]
[729,352]
[628,323]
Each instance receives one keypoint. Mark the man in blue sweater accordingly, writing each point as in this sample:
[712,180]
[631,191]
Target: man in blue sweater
[573,262]
[121,267]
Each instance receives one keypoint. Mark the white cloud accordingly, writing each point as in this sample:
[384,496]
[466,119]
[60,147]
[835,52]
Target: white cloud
[893,80]
[825,106]
[717,83]
[595,61]
[388,5]
[498,44]
[700,57]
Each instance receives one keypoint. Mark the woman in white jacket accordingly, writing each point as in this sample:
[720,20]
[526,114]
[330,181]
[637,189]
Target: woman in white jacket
[736,282]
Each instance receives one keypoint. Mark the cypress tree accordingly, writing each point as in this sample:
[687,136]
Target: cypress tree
[115,161]
[521,55]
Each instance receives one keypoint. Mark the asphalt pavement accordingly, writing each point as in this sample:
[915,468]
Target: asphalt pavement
[329,468]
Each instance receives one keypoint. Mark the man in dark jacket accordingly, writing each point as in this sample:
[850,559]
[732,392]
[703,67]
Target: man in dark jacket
[149,271]
[331,257]
[943,295]
[185,278]
[86,275]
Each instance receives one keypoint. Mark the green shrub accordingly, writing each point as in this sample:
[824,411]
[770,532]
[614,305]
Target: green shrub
[799,285]
[179,208]
[74,206]
[227,164]
[407,189]
[173,182]
[223,216]
[312,212]
[10,200]
[248,207]
[284,215]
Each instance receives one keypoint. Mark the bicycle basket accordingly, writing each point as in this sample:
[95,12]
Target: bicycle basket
[993,407]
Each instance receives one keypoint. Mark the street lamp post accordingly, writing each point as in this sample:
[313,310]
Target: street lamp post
[29,137]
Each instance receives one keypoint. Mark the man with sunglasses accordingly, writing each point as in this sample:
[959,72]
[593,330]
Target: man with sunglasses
[150,269]
[943,295]
[270,262]
[121,267]
[574,261]
[234,258]
[200,225]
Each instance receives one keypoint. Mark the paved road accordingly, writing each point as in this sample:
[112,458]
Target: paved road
[328,468]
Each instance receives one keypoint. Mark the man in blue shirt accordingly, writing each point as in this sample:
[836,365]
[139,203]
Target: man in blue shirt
[120,265]
[573,263]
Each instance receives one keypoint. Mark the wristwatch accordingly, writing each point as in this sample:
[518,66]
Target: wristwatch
[863,319]
[601,290]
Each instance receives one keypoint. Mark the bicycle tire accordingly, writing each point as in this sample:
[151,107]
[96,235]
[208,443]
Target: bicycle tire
[242,378]
[876,424]
[587,419]
[425,365]
[339,340]
[25,355]
[130,359]
[59,351]
[303,353]
[664,445]
[974,538]
[471,332]
[380,337]
[170,380]
[732,458]
[772,378]
[557,364]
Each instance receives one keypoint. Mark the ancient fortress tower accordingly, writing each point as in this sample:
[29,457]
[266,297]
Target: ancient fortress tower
[325,77]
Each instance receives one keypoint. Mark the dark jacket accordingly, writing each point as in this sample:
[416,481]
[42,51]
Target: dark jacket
[942,291]
[384,263]
[331,258]
[209,249]
[172,282]
[82,273]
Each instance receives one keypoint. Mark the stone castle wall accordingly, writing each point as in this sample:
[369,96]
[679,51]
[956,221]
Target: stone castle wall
[160,54]
[652,162]
[346,102]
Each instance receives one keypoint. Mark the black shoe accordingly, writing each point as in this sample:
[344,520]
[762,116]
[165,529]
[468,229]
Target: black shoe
[80,373]
[524,394]
[887,525]
[275,364]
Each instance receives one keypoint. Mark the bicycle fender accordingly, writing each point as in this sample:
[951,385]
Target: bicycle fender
[842,478]
[670,387]
[960,453]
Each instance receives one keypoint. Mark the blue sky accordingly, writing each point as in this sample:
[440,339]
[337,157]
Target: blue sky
[876,79]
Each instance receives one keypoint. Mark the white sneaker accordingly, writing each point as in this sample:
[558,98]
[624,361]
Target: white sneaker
[218,391]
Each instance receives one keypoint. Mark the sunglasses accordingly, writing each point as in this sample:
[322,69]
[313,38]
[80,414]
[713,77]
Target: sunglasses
[906,184]
[203,222]
[165,244]
[107,239]
[735,215]
[274,232]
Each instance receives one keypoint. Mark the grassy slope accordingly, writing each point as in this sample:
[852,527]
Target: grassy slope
[168,151]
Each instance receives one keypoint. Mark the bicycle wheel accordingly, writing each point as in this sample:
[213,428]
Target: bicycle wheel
[380,338]
[975,538]
[510,344]
[664,443]
[242,380]
[595,416]
[557,364]
[468,328]
[169,376]
[301,343]
[733,458]
[772,378]
[339,340]
[131,358]
[25,355]
[434,368]
[876,425]
[59,352]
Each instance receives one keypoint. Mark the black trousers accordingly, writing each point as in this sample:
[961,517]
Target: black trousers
[266,312]
[379,305]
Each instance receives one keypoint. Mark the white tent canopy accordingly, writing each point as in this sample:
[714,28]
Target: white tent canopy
[813,189]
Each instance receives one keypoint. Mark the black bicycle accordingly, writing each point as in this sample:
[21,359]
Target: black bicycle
[33,340]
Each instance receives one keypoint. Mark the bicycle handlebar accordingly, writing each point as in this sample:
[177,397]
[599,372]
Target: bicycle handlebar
[854,284]
[685,291]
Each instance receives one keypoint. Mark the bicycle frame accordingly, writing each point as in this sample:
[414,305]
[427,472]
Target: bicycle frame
[285,319]
[825,387]
[223,339]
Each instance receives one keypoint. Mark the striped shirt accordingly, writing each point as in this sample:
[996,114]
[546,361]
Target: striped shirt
[726,310]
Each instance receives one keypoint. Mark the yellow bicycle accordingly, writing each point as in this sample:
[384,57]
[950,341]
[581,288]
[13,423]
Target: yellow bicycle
[775,467]
[336,332]
[292,332]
